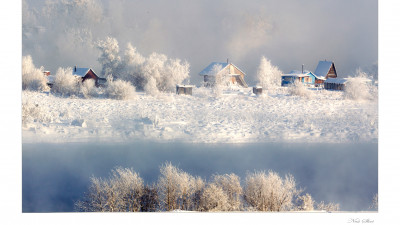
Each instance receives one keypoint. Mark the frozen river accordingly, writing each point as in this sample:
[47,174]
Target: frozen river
[56,175]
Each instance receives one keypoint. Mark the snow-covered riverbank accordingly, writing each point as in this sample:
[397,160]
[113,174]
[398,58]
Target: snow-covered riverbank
[236,117]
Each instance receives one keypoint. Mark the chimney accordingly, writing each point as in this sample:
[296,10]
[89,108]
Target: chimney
[302,68]
[227,60]
[75,69]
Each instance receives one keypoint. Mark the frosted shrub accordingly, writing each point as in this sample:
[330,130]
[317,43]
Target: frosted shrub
[65,83]
[214,199]
[268,75]
[176,188]
[32,78]
[221,82]
[88,88]
[230,184]
[328,207]
[32,113]
[270,192]
[305,203]
[357,88]
[151,87]
[299,89]
[119,89]
[121,192]
[375,202]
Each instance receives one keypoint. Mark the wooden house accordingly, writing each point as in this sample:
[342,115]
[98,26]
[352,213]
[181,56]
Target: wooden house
[236,75]
[305,77]
[87,73]
[325,69]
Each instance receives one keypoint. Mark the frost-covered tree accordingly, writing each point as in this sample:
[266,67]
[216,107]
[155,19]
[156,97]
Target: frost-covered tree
[358,87]
[168,186]
[268,75]
[32,78]
[375,202]
[305,203]
[230,184]
[119,89]
[121,192]
[149,199]
[152,74]
[214,199]
[133,62]
[177,188]
[219,80]
[109,58]
[269,192]
[329,207]
[65,83]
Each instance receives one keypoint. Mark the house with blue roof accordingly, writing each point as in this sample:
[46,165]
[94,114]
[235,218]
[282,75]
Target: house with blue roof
[88,73]
[217,68]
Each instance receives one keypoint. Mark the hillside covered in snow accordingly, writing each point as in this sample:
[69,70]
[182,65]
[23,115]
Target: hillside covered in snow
[237,116]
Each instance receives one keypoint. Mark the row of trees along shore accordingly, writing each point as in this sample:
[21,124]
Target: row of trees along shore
[176,190]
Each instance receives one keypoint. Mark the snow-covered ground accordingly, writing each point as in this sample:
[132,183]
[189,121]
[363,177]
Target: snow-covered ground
[235,117]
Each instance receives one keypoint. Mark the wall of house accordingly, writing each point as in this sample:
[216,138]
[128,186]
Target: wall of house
[332,72]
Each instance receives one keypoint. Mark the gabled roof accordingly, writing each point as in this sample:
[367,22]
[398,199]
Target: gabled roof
[80,71]
[323,68]
[297,73]
[209,68]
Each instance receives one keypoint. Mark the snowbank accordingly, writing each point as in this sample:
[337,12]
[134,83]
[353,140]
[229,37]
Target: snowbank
[236,117]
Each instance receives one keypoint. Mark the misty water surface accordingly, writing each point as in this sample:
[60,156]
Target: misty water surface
[56,175]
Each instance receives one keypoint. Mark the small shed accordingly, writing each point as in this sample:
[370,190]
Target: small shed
[257,90]
[236,75]
[184,89]
[85,73]
[335,83]
[325,69]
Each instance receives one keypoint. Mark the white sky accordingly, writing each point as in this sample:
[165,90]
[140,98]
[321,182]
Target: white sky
[289,33]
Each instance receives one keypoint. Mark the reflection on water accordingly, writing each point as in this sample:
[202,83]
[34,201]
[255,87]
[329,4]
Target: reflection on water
[56,175]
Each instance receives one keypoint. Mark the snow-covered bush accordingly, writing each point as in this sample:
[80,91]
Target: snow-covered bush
[375,202]
[328,207]
[358,87]
[151,74]
[305,203]
[119,89]
[214,199]
[299,89]
[121,192]
[230,184]
[32,112]
[269,192]
[88,88]
[32,78]
[65,83]
[220,80]
[268,75]
[176,188]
